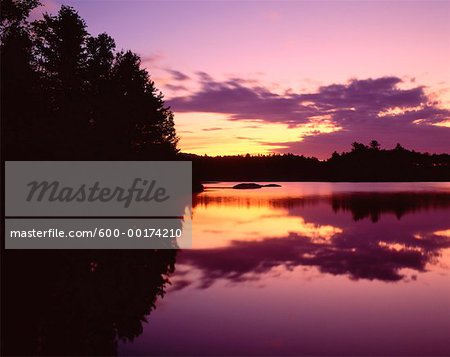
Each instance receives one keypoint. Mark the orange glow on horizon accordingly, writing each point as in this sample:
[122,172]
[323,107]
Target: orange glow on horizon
[215,134]
[218,225]
[444,233]
[445,123]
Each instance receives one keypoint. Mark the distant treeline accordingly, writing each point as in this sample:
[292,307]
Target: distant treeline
[362,163]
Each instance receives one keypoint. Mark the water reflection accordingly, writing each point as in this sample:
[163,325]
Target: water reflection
[79,302]
[310,269]
[255,250]
[360,204]
[345,254]
[373,205]
[258,233]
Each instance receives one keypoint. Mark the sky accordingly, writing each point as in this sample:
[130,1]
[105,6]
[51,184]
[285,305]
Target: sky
[304,77]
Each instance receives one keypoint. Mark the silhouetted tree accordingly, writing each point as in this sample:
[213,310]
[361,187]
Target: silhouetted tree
[375,145]
[60,53]
[359,164]
[358,147]
[100,57]
[14,14]
[19,99]
[149,126]
[335,155]
[68,95]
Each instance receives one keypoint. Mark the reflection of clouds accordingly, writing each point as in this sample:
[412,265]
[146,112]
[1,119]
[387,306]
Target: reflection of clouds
[444,233]
[272,234]
[346,254]
[317,233]
[398,247]
[251,222]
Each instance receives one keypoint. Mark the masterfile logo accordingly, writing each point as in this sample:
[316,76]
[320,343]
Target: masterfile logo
[98,188]
[98,205]
[140,190]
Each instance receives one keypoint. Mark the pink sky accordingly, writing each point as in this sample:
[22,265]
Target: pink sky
[307,77]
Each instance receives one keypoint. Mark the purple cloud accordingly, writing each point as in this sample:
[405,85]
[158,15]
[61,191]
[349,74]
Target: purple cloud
[152,59]
[240,102]
[177,75]
[175,87]
[364,110]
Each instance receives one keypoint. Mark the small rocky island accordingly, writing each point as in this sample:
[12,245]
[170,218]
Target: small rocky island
[251,186]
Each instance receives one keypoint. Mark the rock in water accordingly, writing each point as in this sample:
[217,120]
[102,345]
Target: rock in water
[246,186]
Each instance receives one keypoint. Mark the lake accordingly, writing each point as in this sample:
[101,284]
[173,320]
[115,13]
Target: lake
[309,269]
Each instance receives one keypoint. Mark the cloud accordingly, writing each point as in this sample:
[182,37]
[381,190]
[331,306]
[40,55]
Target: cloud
[361,109]
[355,101]
[177,75]
[252,126]
[175,87]
[152,60]
[246,138]
[203,76]
[239,101]
[212,129]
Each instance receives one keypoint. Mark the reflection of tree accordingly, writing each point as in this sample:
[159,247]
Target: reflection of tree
[360,252]
[79,302]
[364,205]
[219,200]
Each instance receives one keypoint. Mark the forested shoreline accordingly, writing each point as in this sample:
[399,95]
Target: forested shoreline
[361,163]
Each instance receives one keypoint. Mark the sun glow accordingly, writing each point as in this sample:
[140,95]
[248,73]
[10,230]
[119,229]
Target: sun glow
[398,111]
[218,225]
[444,123]
[444,233]
[215,134]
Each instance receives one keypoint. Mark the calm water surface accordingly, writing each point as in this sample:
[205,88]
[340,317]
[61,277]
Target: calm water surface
[310,268]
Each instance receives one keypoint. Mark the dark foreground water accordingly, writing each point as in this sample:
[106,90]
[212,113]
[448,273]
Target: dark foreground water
[310,268]
[305,269]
